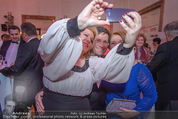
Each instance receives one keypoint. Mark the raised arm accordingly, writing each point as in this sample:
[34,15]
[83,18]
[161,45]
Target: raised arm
[117,64]
[132,28]
[61,47]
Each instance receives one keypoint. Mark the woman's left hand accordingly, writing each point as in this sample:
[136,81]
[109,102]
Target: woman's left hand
[132,27]
[127,113]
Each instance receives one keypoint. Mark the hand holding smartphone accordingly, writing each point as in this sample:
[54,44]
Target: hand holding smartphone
[115,14]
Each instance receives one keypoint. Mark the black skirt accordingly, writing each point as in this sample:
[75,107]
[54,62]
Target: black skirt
[60,102]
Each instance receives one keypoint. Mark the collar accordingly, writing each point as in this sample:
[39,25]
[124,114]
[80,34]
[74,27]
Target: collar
[173,38]
[31,39]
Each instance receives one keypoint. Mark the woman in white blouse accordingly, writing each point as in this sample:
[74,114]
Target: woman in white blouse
[68,74]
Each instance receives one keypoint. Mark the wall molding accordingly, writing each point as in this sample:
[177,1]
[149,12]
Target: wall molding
[159,4]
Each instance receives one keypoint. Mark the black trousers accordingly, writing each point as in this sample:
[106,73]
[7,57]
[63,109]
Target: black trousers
[59,102]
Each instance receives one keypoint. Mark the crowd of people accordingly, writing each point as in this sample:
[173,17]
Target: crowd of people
[70,68]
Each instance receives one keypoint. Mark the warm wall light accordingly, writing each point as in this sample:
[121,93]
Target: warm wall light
[99,17]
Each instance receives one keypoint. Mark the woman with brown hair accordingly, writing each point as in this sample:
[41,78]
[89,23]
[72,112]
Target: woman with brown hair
[142,53]
[117,37]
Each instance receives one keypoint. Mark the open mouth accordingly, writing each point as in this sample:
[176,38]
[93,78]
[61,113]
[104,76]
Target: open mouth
[99,48]
[85,44]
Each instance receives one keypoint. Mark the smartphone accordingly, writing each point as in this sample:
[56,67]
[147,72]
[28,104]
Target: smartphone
[115,14]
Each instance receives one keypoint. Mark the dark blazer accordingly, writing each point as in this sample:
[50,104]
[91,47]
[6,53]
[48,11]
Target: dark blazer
[27,72]
[165,65]
[97,97]
[6,45]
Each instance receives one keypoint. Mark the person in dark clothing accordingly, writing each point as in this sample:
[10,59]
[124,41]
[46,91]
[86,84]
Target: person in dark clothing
[165,65]
[27,70]
[10,47]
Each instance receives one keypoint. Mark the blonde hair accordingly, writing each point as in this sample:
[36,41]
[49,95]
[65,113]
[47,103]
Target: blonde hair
[94,31]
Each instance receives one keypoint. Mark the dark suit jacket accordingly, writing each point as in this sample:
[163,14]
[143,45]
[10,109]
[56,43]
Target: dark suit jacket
[97,97]
[27,72]
[165,65]
[6,45]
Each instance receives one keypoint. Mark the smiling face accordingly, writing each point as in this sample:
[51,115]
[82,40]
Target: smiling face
[100,44]
[87,37]
[139,42]
[116,39]
[14,35]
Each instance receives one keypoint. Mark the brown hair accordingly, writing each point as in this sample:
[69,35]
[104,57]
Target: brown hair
[144,37]
[120,33]
[5,37]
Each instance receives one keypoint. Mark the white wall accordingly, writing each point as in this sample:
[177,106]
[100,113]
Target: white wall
[170,11]
[71,8]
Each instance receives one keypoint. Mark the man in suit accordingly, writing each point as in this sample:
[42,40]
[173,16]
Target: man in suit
[165,65]
[10,48]
[27,70]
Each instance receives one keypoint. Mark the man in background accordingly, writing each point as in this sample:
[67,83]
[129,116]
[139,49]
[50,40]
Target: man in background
[5,44]
[10,48]
[165,65]
[4,37]
[27,70]
[156,43]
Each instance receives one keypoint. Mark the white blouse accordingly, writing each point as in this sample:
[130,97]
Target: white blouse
[60,52]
